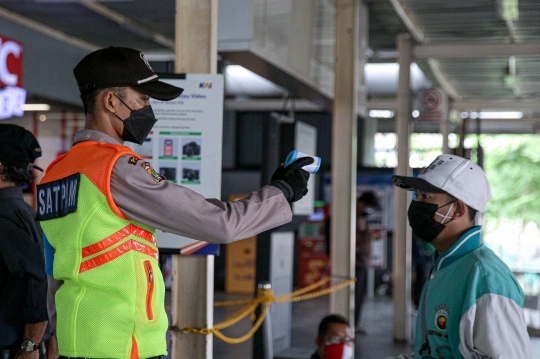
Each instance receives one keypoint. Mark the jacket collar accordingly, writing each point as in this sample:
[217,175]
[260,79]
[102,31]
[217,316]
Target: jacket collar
[467,243]
[11,192]
[94,135]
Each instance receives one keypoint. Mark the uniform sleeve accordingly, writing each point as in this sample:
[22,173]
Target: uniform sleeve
[143,197]
[54,285]
[24,259]
[494,327]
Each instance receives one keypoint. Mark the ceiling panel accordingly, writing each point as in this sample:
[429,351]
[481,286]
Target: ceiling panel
[455,21]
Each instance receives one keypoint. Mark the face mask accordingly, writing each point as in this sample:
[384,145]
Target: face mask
[338,351]
[422,222]
[138,125]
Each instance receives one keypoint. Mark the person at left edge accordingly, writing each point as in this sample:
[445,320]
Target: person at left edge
[100,203]
[23,282]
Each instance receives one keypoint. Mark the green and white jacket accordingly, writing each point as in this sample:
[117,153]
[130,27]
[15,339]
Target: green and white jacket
[471,307]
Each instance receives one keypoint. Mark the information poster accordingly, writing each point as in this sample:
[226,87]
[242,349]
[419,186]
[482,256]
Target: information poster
[185,146]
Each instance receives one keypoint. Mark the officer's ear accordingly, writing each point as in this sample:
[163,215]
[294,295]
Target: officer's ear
[460,209]
[108,100]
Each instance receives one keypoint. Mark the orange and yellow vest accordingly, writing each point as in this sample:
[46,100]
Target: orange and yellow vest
[111,304]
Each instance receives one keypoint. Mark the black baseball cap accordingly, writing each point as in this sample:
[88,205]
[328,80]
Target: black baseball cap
[122,66]
[18,147]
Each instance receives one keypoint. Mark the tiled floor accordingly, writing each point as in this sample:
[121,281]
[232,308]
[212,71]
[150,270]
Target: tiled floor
[377,319]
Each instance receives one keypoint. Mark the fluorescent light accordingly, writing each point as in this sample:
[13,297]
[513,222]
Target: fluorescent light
[502,115]
[494,115]
[381,113]
[36,107]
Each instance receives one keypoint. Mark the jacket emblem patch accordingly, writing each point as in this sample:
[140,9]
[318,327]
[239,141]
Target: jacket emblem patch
[441,319]
[155,175]
[133,161]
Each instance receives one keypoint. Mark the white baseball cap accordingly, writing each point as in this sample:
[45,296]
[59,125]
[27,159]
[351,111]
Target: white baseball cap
[455,175]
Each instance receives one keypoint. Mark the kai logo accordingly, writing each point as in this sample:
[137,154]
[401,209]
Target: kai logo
[58,198]
[205,85]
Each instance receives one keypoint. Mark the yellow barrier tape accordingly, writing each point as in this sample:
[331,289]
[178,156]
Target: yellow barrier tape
[265,298]
[319,293]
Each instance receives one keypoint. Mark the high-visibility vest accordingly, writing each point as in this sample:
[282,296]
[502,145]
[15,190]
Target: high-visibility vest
[111,304]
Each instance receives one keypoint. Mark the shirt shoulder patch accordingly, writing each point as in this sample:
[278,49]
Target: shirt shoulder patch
[133,161]
[155,175]
[58,198]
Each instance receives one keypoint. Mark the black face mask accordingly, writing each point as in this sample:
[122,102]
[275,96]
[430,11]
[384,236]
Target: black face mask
[139,123]
[422,221]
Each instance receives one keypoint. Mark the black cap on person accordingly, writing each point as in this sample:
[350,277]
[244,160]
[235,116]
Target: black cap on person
[18,147]
[119,67]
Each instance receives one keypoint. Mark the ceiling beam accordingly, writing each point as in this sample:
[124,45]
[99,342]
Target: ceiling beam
[441,79]
[46,30]
[528,105]
[263,105]
[498,105]
[409,23]
[476,50]
[128,23]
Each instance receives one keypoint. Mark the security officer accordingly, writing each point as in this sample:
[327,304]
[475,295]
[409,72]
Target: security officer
[23,283]
[100,205]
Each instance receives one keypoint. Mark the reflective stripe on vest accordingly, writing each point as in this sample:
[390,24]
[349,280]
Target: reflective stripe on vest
[130,245]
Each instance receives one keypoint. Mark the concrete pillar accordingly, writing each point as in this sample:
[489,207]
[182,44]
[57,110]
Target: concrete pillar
[196,36]
[402,246]
[193,277]
[368,142]
[344,153]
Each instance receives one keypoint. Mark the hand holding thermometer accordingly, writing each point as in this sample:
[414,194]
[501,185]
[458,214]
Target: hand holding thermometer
[294,155]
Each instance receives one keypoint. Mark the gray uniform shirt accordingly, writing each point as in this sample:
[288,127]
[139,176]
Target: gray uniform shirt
[179,210]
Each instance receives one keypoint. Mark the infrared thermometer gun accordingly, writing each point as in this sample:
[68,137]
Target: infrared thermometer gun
[312,168]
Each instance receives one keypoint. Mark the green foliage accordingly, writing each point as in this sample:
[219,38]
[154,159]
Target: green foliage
[512,165]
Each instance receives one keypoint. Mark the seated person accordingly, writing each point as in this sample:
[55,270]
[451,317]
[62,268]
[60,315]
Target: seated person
[334,339]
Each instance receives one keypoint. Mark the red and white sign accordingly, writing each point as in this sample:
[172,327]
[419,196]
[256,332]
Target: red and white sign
[12,95]
[432,105]
[11,59]
[12,100]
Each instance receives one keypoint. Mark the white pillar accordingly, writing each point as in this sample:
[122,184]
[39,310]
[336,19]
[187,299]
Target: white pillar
[344,152]
[193,277]
[445,129]
[402,246]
